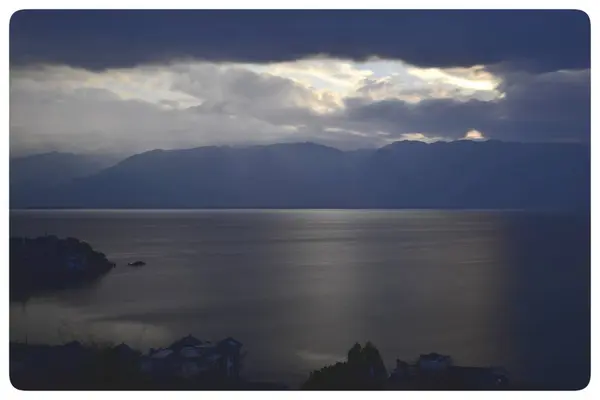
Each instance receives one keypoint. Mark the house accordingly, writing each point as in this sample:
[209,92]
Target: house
[230,349]
[434,362]
[187,341]
[401,372]
[191,358]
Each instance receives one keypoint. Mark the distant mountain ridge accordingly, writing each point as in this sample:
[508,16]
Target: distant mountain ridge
[461,174]
[55,167]
[32,176]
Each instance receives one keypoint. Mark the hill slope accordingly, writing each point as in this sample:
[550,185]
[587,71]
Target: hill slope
[31,176]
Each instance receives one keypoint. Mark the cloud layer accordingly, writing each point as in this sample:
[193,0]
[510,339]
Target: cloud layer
[79,86]
[541,40]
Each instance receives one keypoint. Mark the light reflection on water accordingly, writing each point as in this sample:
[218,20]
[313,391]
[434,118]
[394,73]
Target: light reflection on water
[298,288]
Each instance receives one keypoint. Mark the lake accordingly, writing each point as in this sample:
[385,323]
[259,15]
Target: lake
[298,288]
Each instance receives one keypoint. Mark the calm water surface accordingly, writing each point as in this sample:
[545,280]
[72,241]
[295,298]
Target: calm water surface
[298,288]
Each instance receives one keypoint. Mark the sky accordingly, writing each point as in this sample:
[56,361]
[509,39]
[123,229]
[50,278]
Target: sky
[124,82]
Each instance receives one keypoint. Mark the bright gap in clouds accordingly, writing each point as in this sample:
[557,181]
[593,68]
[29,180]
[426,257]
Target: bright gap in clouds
[386,79]
[474,134]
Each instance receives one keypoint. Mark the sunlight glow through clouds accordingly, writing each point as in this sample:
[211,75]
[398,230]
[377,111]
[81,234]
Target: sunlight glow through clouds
[474,134]
[474,78]
[191,103]
[421,138]
[329,81]
[382,79]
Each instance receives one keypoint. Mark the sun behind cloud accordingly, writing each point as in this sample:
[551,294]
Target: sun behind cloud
[474,134]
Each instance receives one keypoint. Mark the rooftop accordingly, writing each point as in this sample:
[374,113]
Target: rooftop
[433,357]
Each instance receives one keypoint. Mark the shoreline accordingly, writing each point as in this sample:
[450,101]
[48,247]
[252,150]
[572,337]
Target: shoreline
[102,367]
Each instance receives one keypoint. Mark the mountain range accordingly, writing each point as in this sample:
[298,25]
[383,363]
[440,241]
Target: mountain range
[407,174]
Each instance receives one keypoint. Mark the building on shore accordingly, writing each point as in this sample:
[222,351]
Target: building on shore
[437,371]
[191,358]
[434,362]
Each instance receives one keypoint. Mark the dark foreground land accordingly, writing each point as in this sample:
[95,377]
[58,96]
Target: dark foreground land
[49,263]
[191,364]
[74,366]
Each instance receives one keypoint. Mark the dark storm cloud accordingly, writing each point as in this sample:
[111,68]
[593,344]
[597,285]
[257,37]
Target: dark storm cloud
[543,107]
[533,40]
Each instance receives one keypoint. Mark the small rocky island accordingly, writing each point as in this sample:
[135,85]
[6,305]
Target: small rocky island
[50,263]
[136,264]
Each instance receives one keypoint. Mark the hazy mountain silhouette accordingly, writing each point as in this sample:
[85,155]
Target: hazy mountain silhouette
[32,176]
[461,174]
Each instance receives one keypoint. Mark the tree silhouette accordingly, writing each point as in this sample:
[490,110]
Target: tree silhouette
[363,370]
